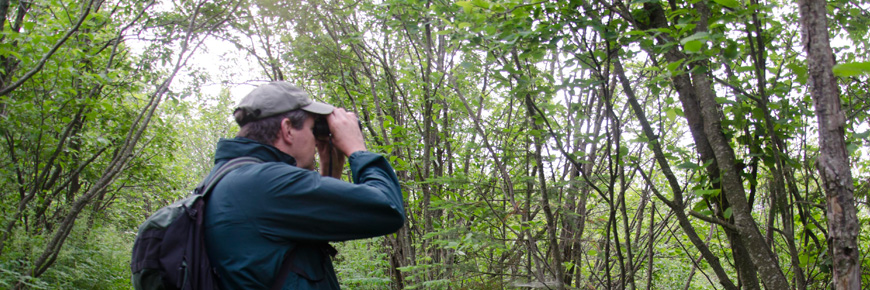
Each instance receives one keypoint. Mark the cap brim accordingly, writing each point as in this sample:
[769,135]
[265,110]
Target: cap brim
[319,108]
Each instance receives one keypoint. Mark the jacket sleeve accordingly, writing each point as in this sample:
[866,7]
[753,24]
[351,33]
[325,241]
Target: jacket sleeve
[301,205]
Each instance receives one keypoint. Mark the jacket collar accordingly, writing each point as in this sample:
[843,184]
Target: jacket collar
[237,147]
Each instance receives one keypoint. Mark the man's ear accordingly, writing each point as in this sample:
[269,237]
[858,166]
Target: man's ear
[285,134]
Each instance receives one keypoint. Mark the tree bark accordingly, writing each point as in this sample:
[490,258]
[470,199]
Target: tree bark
[4,8]
[833,160]
[732,186]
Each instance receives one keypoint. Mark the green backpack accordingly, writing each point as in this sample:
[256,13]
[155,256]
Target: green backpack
[169,252]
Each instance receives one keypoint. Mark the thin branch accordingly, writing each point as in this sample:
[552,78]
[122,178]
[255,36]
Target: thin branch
[712,220]
[44,59]
[737,89]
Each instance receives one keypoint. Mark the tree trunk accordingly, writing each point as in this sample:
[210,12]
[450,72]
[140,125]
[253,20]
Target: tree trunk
[556,268]
[833,160]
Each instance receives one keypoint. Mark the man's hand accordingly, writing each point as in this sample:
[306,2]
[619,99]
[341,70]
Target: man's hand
[346,136]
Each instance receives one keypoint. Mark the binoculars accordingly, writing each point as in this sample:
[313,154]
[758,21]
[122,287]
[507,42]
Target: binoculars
[321,127]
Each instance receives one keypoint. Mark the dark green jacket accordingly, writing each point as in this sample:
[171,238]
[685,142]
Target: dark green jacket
[258,212]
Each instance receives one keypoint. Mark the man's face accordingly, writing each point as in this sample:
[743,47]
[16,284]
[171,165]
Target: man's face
[303,147]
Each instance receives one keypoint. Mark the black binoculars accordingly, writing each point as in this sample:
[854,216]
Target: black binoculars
[321,127]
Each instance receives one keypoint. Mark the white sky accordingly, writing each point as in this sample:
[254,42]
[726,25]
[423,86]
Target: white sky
[228,67]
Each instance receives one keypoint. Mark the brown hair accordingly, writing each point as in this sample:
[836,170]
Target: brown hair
[266,130]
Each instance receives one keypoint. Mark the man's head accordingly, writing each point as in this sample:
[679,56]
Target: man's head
[281,115]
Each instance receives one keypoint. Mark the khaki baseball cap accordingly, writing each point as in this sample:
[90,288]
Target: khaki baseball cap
[279,97]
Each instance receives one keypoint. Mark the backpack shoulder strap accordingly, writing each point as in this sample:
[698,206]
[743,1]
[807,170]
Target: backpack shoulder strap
[207,184]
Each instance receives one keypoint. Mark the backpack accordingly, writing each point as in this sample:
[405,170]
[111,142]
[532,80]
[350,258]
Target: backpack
[169,252]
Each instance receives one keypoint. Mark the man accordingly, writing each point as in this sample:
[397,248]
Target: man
[260,215]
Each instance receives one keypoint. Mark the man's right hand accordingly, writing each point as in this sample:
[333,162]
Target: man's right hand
[346,135]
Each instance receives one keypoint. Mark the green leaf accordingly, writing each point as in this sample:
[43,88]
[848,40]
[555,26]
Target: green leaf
[700,206]
[466,5]
[674,66]
[728,3]
[689,165]
[799,70]
[727,213]
[693,46]
[672,114]
[481,3]
[697,36]
[745,68]
[851,148]
[730,51]
[852,69]
[5,52]
[520,13]
[708,192]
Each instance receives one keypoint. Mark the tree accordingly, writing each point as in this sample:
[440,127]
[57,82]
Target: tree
[833,161]
[74,117]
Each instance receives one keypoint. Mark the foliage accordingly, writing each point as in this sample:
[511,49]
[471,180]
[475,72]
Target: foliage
[74,109]
[362,265]
[586,144]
